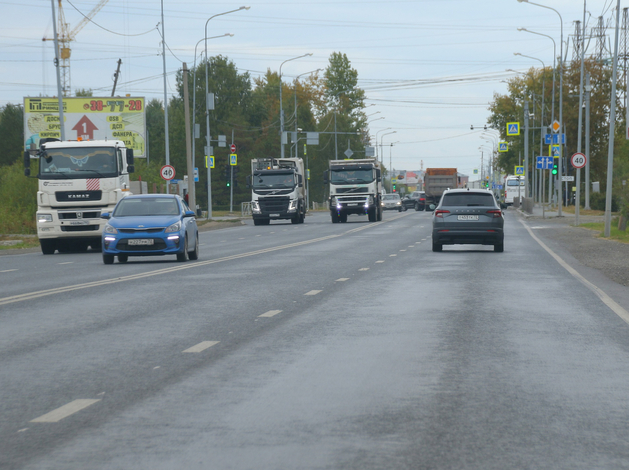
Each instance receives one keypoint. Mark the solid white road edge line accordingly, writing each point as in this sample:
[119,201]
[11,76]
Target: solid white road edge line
[607,300]
[63,412]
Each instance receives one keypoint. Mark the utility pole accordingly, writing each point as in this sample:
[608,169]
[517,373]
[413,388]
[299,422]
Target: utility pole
[526,149]
[59,92]
[588,89]
[612,129]
[186,103]
[577,201]
[116,75]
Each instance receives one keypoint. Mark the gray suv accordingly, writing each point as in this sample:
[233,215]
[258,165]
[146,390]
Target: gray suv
[467,216]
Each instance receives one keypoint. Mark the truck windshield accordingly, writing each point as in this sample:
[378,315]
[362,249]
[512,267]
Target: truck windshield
[273,180]
[351,176]
[93,162]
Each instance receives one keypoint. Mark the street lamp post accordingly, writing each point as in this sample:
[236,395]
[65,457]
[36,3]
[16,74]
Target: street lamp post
[541,121]
[552,108]
[559,169]
[207,111]
[191,185]
[296,80]
[378,154]
[381,140]
[281,110]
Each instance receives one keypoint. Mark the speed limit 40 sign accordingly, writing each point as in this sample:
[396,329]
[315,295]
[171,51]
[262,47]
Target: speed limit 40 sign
[578,160]
[167,172]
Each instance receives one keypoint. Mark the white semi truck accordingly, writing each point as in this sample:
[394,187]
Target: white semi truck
[77,181]
[277,190]
[355,188]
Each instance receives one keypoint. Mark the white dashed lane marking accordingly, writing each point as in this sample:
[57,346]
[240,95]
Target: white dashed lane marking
[391,256]
[202,346]
[364,269]
[67,262]
[380,261]
[63,412]
[312,292]
[270,313]
[343,279]
[8,270]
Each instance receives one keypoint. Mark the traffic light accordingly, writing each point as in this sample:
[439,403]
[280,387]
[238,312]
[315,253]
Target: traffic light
[227,174]
[555,169]
[394,188]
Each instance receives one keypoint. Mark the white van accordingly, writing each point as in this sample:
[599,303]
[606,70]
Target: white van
[514,187]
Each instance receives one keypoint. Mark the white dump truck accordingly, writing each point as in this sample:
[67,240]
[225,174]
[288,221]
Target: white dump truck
[355,188]
[77,181]
[277,190]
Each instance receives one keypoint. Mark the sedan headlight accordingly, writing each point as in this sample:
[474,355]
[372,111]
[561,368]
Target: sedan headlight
[109,229]
[176,227]
[44,218]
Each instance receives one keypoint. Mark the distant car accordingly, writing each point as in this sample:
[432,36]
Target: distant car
[391,202]
[150,225]
[467,216]
[416,200]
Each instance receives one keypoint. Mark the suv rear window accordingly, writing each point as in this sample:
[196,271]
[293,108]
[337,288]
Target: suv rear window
[467,199]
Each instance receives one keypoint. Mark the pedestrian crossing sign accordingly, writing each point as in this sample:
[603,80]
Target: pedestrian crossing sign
[519,170]
[233,159]
[209,159]
[513,128]
[503,147]
[556,151]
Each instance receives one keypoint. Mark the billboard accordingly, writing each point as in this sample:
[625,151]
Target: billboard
[87,118]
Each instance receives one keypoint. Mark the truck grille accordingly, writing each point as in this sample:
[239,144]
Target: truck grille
[75,215]
[76,196]
[352,199]
[79,228]
[352,190]
[274,204]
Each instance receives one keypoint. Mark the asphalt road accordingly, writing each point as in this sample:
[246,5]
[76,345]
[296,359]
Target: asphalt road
[316,346]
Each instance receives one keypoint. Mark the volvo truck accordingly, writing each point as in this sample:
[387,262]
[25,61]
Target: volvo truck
[355,188]
[77,181]
[277,190]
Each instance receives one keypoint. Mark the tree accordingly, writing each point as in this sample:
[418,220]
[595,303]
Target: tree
[11,134]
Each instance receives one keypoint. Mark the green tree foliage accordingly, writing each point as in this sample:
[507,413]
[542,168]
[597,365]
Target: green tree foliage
[510,108]
[18,195]
[11,134]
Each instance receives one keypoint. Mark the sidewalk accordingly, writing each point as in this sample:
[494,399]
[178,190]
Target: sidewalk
[546,212]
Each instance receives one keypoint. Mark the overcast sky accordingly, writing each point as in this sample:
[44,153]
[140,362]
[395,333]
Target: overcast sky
[429,67]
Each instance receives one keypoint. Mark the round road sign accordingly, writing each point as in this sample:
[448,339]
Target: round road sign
[167,172]
[578,160]
[232,147]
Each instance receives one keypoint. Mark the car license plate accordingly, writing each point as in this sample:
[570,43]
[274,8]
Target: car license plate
[468,217]
[80,222]
[140,241]
[274,215]
[353,204]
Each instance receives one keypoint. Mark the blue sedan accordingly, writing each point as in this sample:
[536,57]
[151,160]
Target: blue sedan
[150,225]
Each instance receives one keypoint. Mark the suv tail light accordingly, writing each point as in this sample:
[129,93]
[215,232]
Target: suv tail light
[422,198]
[440,212]
[495,212]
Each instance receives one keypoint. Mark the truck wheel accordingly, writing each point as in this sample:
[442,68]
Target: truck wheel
[379,214]
[335,218]
[108,259]
[499,247]
[343,217]
[48,247]
[257,222]
[373,215]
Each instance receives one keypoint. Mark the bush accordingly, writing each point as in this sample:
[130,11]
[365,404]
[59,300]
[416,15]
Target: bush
[19,200]
[597,201]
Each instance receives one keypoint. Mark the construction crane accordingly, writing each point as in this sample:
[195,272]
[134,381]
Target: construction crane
[65,36]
